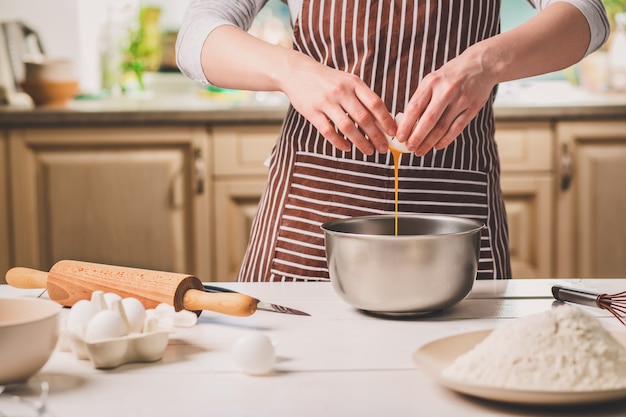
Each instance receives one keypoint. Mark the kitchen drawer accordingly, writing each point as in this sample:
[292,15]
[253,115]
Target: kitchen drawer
[242,150]
[525,147]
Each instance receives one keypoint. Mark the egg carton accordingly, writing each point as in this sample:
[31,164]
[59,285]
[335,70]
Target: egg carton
[111,331]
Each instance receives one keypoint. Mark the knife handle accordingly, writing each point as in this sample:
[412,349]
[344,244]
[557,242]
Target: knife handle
[582,297]
[215,288]
[232,303]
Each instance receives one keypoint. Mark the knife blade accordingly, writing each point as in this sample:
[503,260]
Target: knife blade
[261,305]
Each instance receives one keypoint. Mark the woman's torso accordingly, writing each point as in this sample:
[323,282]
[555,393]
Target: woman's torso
[391,46]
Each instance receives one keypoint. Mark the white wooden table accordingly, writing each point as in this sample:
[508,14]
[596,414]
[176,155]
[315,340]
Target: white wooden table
[337,362]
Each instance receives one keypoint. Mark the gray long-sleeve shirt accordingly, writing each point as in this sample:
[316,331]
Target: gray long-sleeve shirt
[203,16]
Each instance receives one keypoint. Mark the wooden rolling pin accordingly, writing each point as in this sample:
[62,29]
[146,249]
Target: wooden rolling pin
[71,281]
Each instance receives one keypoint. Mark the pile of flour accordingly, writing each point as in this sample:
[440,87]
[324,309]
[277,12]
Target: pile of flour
[564,349]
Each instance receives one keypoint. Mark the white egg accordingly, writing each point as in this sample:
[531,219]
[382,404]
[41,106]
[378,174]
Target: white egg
[254,353]
[79,316]
[135,314]
[106,324]
[394,142]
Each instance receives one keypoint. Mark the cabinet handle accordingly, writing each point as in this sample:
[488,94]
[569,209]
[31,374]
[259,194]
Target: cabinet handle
[200,169]
[566,167]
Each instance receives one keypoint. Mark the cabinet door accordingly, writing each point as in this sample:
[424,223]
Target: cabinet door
[529,207]
[592,200]
[240,176]
[528,183]
[115,196]
[236,204]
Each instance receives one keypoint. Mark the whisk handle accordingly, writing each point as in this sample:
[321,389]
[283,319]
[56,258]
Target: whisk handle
[583,297]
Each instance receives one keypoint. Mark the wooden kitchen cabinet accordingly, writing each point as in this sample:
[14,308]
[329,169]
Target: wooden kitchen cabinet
[183,198]
[528,180]
[591,205]
[132,196]
[528,183]
[174,182]
[5,245]
[239,178]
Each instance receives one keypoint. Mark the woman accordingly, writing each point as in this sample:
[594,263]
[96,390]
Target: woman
[354,65]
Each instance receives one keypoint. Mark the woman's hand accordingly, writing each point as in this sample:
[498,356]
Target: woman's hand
[331,99]
[445,101]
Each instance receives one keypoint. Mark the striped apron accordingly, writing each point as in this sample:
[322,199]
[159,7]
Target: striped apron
[391,45]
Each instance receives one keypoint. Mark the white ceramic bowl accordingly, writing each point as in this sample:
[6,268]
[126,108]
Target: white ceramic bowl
[29,330]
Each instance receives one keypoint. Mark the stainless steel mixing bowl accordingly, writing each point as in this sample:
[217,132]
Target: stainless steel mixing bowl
[431,264]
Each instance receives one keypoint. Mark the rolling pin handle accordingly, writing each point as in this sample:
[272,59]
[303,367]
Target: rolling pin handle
[20,277]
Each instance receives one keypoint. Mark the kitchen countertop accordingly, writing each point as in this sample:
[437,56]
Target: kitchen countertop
[520,100]
[337,362]
[170,109]
[151,109]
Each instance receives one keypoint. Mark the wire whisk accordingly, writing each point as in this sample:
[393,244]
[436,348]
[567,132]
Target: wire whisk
[613,303]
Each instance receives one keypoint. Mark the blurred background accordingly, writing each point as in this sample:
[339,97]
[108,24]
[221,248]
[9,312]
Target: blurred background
[105,37]
[111,40]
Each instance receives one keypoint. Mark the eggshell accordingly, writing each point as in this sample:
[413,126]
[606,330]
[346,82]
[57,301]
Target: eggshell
[185,318]
[395,143]
[135,314]
[254,353]
[398,146]
[79,316]
[164,310]
[164,315]
[105,324]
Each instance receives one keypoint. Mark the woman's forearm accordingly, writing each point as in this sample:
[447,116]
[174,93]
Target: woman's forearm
[555,38]
[448,98]
[232,58]
[330,99]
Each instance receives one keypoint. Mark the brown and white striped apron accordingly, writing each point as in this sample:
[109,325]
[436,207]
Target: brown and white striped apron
[391,45]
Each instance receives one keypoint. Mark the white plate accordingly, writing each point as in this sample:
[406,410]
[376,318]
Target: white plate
[435,356]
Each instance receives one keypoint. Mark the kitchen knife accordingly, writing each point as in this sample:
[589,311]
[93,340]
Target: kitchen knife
[261,305]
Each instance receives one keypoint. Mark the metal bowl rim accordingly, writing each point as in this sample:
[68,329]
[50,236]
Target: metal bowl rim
[478,226]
